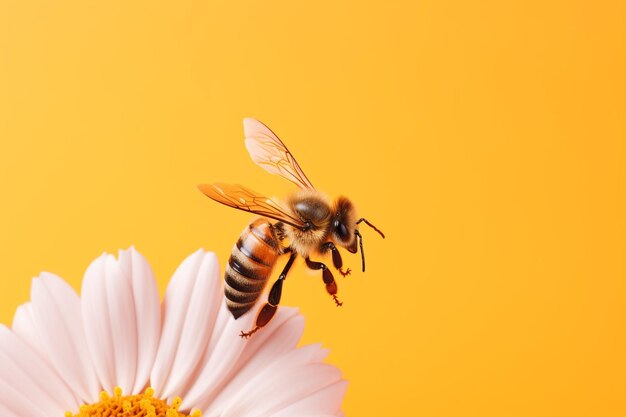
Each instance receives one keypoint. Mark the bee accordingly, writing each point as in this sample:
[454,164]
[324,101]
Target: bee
[307,223]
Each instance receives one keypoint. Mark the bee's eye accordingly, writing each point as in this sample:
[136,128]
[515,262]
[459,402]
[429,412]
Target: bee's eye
[342,230]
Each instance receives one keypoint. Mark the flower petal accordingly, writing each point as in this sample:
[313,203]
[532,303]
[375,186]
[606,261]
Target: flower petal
[280,384]
[222,354]
[277,338]
[97,322]
[147,312]
[57,316]
[24,326]
[325,401]
[5,412]
[19,403]
[173,310]
[317,415]
[282,334]
[123,323]
[202,310]
[26,371]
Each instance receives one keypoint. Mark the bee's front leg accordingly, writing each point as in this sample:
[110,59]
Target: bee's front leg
[337,261]
[327,276]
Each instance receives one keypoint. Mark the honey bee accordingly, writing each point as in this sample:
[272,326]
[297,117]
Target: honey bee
[306,223]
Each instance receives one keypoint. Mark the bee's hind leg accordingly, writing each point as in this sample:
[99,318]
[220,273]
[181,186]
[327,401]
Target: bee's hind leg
[337,261]
[269,309]
[327,276]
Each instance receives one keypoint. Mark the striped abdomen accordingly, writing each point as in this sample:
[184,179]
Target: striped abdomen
[250,265]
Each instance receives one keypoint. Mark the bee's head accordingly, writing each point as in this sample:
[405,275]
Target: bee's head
[345,227]
[344,224]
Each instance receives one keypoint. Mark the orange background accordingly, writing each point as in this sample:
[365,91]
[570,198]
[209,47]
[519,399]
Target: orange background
[487,139]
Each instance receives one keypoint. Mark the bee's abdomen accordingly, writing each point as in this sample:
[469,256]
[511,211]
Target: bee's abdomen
[249,266]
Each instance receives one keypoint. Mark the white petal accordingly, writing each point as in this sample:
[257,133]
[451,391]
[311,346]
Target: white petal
[289,323]
[57,316]
[222,354]
[24,326]
[5,412]
[325,401]
[202,310]
[315,415]
[174,311]
[25,371]
[282,383]
[277,338]
[289,387]
[147,312]
[123,323]
[20,403]
[97,322]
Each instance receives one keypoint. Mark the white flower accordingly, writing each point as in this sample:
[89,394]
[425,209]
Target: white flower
[67,354]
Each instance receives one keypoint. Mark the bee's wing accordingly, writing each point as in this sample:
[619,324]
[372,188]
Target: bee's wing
[239,197]
[271,154]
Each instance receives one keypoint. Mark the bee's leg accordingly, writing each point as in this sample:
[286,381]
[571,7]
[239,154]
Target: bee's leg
[269,309]
[337,261]
[327,276]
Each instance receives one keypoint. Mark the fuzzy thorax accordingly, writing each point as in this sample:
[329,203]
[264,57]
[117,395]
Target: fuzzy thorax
[314,209]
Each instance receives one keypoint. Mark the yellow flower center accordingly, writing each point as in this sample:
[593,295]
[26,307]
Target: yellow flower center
[140,405]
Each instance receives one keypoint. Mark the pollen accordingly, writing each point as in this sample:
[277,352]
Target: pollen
[140,405]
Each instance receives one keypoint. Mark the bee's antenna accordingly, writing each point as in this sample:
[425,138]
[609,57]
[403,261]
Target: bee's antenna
[370,225]
[358,235]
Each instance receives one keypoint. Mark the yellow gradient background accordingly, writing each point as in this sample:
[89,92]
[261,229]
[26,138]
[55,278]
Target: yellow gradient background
[487,139]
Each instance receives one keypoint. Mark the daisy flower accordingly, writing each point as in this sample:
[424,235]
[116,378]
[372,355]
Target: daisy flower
[118,351]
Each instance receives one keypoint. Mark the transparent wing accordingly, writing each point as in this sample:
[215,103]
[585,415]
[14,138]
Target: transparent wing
[271,154]
[242,198]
